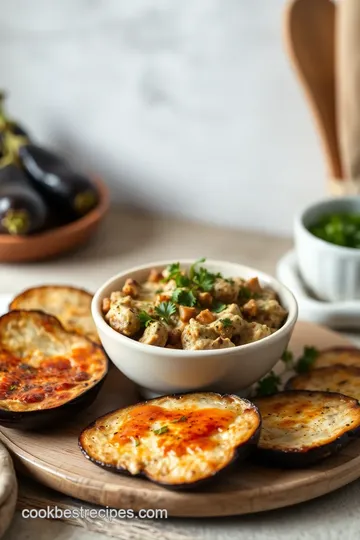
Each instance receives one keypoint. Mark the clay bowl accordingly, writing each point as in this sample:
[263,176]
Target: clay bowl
[58,240]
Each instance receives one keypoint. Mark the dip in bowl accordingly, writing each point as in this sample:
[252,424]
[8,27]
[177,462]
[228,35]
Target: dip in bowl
[224,345]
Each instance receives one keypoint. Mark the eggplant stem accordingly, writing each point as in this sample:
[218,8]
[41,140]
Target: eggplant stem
[16,221]
[84,201]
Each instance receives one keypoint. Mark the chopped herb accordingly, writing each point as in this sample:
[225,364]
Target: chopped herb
[165,310]
[145,318]
[307,359]
[184,297]
[192,270]
[244,293]
[226,322]
[136,441]
[229,280]
[182,281]
[161,430]
[287,357]
[172,271]
[159,291]
[218,307]
[13,387]
[181,419]
[268,385]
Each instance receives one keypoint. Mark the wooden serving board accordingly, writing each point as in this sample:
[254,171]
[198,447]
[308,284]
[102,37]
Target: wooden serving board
[53,458]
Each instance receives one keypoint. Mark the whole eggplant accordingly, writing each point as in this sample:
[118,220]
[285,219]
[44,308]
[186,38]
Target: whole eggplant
[22,209]
[51,175]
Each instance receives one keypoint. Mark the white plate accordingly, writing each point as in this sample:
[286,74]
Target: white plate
[333,314]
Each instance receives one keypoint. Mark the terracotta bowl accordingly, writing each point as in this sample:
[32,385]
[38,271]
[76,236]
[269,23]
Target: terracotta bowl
[58,240]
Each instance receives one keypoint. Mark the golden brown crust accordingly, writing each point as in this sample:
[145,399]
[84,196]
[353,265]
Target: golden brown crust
[336,378]
[347,356]
[301,420]
[43,366]
[71,305]
[173,440]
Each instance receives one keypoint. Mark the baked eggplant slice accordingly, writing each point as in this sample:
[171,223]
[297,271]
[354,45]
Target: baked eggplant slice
[337,378]
[177,441]
[301,427]
[46,372]
[348,356]
[72,306]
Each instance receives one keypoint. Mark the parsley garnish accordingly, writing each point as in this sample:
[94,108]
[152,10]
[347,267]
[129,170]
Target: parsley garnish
[218,307]
[181,419]
[165,310]
[184,297]
[145,318]
[161,430]
[287,357]
[13,387]
[244,293]
[172,270]
[182,281]
[192,270]
[268,385]
[204,279]
[136,441]
[307,359]
[226,322]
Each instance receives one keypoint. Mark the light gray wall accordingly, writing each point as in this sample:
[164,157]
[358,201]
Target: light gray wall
[187,106]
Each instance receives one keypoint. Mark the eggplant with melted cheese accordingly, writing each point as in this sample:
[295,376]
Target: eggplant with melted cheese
[177,441]
[338,378]
[301,427]
[46,372]
[72,306]
[347,356]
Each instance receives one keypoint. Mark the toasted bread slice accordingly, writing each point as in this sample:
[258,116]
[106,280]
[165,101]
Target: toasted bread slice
[43,366]
[348,356]
[300,427]
[176,441]
[342,379]
[70,305]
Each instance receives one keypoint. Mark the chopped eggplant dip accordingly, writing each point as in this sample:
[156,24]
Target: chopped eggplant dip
[194,309]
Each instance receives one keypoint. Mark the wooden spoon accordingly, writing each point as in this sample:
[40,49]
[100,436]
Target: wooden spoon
[309,37]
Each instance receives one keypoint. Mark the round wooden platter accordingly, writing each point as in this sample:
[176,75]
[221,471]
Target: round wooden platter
[53,458]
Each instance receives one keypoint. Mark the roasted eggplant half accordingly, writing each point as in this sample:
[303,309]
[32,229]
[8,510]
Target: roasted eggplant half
[70,305]
[46,373]
[301,427]
[177,441]
[348,356]
[337,378]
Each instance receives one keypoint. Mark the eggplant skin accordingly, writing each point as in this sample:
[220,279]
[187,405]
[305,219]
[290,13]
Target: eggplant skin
[62,187]
[71,305]
[46,373]
[22,209]
[348,356]
[175,440]
[337,378]
[294,423]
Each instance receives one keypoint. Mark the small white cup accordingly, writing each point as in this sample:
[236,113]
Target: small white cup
[331,272]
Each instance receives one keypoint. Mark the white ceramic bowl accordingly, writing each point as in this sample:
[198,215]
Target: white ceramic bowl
[159,371]
[331,272]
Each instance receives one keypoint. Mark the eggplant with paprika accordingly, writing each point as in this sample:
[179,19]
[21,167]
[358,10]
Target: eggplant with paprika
[176,441]
[47,374]
[301,427]
[22,210]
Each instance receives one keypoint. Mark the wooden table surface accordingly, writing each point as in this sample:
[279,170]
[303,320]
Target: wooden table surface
[128,239]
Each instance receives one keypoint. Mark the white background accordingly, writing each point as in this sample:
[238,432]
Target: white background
[184,106]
